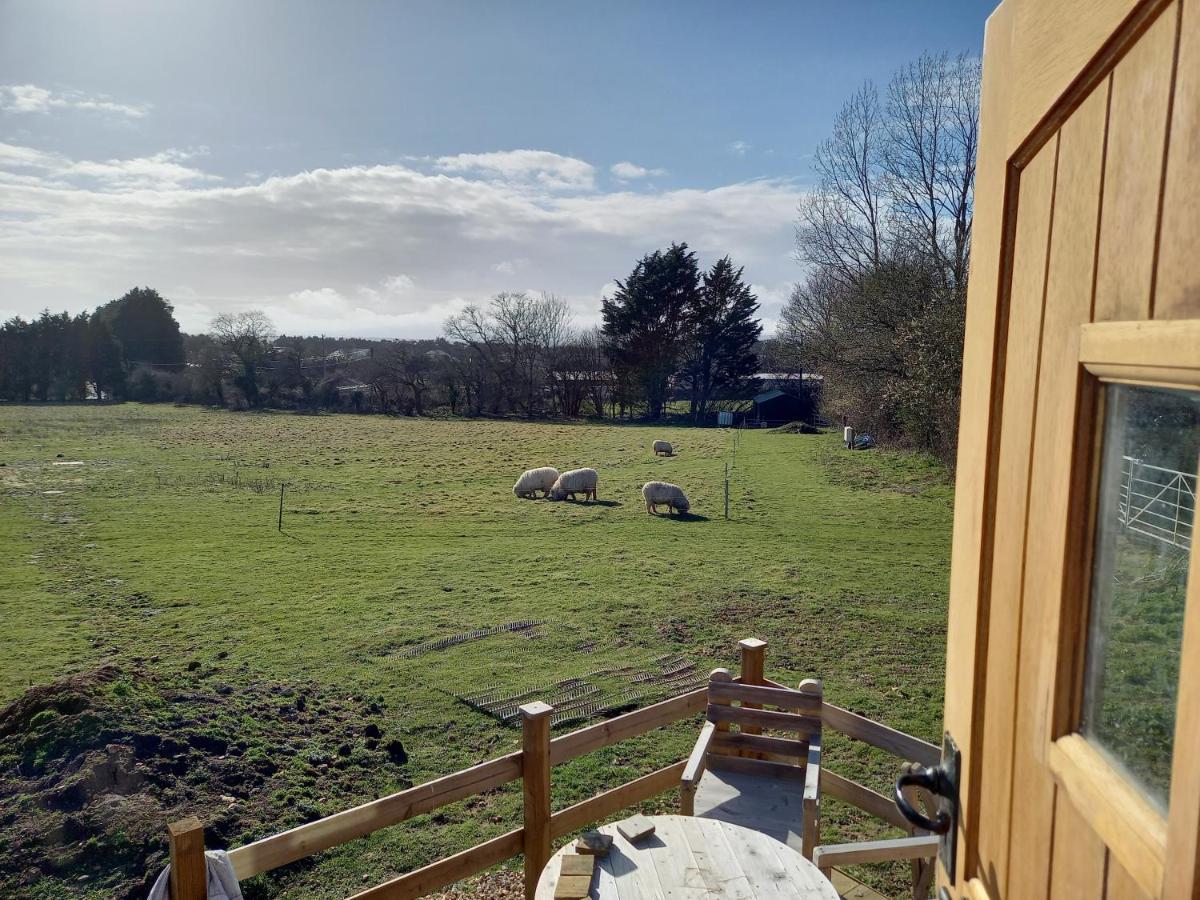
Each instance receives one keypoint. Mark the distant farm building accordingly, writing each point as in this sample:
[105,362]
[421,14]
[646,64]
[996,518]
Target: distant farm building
[778,407]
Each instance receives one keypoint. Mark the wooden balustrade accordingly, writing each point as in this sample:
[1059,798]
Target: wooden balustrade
[532,765]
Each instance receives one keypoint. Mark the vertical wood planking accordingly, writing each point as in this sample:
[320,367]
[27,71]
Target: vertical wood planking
[1136,141]
[966,655]
[535,777]
[1073,875]
[1069,280]
[1020,390]
[1177,288]
[1119,884]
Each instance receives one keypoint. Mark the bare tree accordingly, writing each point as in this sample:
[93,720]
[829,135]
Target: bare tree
[929,158]
[514,337]
[841,223]
[245,338]
[887,238]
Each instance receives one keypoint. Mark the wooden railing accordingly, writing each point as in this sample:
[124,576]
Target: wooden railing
[532,764]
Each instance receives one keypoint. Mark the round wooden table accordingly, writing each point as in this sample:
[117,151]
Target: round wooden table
[696,858]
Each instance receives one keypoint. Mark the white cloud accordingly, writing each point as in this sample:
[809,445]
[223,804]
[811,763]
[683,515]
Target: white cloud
[387,250]
[741,148]
[541,167]
[29,98]
[627,171]
[160,170]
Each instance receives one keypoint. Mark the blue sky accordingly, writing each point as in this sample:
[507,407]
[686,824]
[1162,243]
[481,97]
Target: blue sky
[368,168]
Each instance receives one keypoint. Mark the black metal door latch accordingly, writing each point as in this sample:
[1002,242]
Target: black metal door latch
[941,781]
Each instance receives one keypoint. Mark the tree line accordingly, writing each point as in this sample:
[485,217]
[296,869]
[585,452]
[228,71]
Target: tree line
[886,238]
[669,332]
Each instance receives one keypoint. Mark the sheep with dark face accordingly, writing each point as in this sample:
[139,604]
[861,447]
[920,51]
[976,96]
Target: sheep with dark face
[663,493]
[576,481]
[663,448]
[535,480]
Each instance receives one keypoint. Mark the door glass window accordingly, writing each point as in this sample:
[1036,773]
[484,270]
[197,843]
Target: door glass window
[1145,520]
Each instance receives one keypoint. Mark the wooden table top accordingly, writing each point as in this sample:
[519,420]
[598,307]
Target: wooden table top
[697,859]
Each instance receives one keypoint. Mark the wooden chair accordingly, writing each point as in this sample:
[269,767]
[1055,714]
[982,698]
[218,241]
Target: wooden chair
[920,848]
[769,784]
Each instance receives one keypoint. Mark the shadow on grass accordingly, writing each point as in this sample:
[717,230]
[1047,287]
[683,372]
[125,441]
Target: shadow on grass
[683,517]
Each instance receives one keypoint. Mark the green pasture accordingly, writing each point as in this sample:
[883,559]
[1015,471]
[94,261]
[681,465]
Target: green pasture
[161,553]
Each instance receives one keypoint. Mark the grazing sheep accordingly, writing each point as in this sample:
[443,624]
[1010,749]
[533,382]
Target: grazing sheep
[663,447]
[577,481]
[660,493]
[536,480]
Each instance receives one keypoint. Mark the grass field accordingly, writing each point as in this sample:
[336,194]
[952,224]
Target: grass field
[278,660]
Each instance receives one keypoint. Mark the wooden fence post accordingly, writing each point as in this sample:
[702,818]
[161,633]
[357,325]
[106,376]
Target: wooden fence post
[189,872]
[754,652]
[535,775]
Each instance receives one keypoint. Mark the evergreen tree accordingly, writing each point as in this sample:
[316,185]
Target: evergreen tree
[646,319]
[722,333]
[16,360]
[145,325]
[104,361]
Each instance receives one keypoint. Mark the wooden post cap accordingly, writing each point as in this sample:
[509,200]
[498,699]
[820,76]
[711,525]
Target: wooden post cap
[183,826]
[751,644]
[535,710]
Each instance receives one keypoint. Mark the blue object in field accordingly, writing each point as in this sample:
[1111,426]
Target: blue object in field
[864,442]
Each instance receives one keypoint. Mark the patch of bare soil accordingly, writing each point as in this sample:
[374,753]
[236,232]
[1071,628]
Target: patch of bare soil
[94,766]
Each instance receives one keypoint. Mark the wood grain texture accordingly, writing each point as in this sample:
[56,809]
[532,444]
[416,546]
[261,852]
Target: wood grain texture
[1137,130]
[1079,856]
[1069,280]
[1052,44]
[1026,297]
[1177,292]
[189,871]
[1120,885]
[535,781]
[1182,878]
[698,858]
[922,847]
[974,494]
[1135,832]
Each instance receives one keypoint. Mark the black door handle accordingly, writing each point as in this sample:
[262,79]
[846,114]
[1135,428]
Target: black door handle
[935,780]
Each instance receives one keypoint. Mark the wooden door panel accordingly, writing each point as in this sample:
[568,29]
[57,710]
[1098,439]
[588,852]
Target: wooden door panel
[1069,282]
[1075,873]
[1020,392]
[1137,132]
[1177,289]
[1089,210]
[1119,884]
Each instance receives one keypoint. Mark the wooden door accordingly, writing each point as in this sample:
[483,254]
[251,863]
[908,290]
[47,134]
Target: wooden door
[1066,685]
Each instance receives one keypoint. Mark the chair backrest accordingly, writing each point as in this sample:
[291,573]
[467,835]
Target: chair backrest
[755,708]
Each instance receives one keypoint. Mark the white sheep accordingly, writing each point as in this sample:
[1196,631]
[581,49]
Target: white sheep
[577,481]
[659,493]
[535,480]
[663,447]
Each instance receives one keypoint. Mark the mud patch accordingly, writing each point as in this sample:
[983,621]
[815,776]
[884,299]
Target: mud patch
[94,766]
